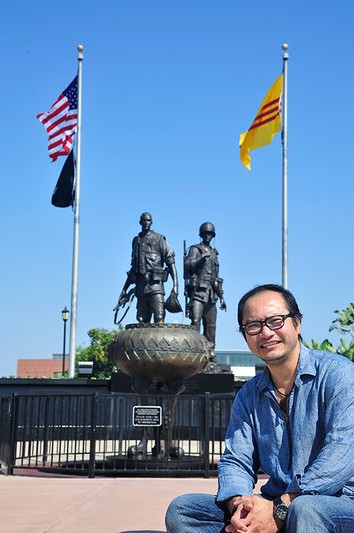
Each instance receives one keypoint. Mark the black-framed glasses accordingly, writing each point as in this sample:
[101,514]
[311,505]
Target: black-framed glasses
[254,327]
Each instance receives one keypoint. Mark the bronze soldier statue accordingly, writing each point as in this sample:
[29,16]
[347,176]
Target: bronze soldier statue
[151,262]
[203,286]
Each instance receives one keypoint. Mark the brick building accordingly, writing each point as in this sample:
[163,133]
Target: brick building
[39,368]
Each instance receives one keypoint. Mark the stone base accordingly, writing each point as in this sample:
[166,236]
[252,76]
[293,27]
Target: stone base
[199,384]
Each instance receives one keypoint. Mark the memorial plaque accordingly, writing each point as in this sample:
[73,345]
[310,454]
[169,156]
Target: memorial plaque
[147,415]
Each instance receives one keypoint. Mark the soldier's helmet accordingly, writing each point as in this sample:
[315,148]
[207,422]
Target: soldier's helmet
[207,227]
[172,304]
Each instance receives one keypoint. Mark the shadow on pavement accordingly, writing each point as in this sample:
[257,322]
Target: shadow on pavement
[141,531]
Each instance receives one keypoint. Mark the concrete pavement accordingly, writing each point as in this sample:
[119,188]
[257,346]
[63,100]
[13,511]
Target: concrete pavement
[40,503]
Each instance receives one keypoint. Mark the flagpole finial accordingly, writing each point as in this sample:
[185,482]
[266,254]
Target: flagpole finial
[285,54]
[80,55]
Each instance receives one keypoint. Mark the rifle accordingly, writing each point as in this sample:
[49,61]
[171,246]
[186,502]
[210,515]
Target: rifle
[186,302]
[124,298]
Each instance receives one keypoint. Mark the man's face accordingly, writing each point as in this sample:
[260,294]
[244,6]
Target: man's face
[207,236]
[273,347]
[146,222]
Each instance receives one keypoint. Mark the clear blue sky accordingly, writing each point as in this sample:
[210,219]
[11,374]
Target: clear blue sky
[167,89]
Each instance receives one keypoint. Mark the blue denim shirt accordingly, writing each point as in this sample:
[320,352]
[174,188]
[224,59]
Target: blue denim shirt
[312,452]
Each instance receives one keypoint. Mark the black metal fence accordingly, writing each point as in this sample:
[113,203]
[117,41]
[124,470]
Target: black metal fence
[96,434]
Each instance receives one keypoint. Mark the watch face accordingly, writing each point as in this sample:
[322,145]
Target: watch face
[280,510]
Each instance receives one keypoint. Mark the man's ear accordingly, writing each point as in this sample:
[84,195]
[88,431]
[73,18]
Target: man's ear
[297,323]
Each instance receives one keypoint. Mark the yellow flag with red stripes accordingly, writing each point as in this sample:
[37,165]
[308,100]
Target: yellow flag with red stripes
[266,124]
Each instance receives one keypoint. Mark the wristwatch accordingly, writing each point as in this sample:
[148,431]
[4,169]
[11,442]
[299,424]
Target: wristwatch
[280,509]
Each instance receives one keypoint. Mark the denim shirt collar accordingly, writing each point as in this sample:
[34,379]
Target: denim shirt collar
[305,366]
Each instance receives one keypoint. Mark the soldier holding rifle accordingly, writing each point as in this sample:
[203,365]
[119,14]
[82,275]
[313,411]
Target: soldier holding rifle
[203,287]
[152,260]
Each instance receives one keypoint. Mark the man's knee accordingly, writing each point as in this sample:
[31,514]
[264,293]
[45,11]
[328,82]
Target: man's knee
[175,512]
[298,505]
[304,515]
[191,512]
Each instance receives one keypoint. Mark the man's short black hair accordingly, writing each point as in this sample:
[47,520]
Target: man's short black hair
[289,299]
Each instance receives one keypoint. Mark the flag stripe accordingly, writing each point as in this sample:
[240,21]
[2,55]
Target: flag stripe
[271,103]
[267,113]
[68,126]
[270,119]
[55,110]
[63,117]
[51,124]
[60,142]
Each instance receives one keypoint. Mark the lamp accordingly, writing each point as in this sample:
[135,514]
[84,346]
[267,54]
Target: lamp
[65,317]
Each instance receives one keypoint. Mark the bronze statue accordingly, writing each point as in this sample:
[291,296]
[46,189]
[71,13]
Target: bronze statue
[203,287]
[151,262]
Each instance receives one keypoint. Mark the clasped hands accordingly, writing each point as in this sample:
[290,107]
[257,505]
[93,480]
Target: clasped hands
[252,514]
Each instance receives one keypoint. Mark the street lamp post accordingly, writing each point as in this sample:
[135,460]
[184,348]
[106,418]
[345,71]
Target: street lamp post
[65,316]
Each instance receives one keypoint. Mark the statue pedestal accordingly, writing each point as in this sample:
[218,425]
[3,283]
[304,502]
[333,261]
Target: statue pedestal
[159,358]
[166,354]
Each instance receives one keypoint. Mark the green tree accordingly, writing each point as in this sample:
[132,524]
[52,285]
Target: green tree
[325,345]
[344,324]
[96,352]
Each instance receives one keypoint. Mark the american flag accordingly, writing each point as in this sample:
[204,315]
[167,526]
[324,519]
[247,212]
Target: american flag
[60,122]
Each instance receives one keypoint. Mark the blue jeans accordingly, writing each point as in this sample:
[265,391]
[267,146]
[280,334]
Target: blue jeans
[191,513]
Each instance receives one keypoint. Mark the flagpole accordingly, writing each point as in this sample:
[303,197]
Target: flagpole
[285,168]
[75,259]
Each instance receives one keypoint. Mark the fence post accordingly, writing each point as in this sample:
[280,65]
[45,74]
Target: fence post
[13,410]
[207,404]
[45,431]
[6,406]
[91,471]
